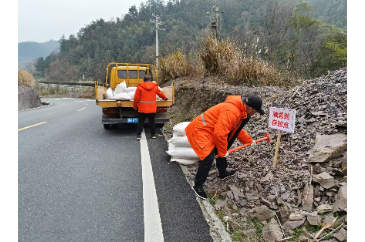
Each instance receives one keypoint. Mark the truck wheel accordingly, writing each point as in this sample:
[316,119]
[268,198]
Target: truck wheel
[106,126]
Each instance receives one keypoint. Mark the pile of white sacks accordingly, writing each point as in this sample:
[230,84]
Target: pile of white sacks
[122,92]
[179,147]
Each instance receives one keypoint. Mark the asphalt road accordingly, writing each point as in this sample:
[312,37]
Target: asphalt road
[79,182]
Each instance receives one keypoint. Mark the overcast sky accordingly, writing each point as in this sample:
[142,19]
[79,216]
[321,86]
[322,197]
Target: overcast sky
[43,20]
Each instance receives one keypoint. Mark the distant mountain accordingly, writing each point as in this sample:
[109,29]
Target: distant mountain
[28,51]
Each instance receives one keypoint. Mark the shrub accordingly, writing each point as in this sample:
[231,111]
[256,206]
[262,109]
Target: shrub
[25,78]
[175,65]
[226,60]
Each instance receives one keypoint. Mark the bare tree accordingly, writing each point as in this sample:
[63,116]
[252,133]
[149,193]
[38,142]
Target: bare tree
[308,45]
[61,71]
[277,18]
[30,66]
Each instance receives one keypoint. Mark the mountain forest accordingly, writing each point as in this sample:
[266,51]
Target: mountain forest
[308,38]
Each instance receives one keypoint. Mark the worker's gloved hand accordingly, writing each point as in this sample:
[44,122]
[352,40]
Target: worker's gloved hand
[253,144]
[166,99]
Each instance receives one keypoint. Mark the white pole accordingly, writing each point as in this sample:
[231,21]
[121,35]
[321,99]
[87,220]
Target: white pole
[156,42]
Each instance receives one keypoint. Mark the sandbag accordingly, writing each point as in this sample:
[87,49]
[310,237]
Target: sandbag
[121,87]
[185,162]
[179,141]
[121,96]
[181,152]
[177,135]
[130,89]
[179,129]
[109,93]
[131,95]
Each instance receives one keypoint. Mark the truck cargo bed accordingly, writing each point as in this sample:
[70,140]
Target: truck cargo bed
[123,112]
[103,102]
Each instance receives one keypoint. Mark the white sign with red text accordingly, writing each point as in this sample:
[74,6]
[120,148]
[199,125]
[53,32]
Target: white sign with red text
[282,119]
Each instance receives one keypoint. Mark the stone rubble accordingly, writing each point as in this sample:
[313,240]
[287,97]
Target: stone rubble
[311,173]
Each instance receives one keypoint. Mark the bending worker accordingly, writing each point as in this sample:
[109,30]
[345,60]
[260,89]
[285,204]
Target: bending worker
[145,101]
[214,131]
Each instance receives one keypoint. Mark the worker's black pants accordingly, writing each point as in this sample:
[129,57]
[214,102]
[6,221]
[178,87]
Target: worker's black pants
[206,164]
[141,119]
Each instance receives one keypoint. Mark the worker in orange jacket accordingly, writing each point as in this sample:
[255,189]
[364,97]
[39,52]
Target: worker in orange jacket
[145,101]
[214,131]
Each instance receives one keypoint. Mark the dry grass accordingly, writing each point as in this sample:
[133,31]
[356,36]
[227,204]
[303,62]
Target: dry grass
[226,60]
[176,65]
[25,78]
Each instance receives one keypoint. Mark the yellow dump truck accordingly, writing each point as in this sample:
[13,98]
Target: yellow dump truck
[121,111]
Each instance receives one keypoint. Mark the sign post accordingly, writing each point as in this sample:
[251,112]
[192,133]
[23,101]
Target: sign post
[277,150]
[282,120]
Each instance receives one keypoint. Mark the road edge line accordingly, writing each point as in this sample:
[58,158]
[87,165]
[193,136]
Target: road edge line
[151,213]
[216,228]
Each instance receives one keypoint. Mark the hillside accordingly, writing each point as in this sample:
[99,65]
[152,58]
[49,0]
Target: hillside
[308,188]
[28,51]
[301,35]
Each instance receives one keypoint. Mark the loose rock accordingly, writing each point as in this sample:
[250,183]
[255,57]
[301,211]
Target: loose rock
[291,225]
[341,235]
[324,179]
[328,147]
[250,233]
[341,200]
[313,218]
[324,208]
[271,231]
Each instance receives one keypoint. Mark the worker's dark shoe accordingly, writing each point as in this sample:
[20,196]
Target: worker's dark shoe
[153,136]
[226,175]
[138,137]
[199,191]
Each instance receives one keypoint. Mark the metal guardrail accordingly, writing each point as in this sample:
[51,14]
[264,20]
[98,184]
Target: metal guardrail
[91,84]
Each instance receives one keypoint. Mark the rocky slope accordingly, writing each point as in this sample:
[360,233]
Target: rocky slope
[308,189]
[27,98]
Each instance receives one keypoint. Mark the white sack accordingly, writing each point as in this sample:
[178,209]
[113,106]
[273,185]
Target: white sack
[185,162]
[109,93]
[180,141]
[179,129]
[177,135]
[121,96]
[131,89]
[121,87]
[181,152]
[131,95]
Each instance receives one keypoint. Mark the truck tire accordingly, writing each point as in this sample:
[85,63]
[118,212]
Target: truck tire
[106,126]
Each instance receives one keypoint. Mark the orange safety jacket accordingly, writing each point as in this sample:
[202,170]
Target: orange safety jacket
[218,127]
[145,97]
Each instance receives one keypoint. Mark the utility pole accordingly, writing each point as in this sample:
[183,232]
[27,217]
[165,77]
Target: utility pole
[214,21]
[157,28]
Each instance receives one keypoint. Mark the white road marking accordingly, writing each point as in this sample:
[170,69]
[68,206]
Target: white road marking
[81,109]
[152,219]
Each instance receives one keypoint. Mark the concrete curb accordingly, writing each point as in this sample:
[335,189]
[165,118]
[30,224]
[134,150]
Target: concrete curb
[217,229]
[49,104]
